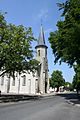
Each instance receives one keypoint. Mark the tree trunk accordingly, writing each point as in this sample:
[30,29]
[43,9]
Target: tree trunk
[77,92]
[57,89]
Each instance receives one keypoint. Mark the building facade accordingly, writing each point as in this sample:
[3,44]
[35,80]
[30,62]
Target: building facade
[29,83]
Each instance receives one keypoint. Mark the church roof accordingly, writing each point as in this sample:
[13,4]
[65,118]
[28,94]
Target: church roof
[41,39]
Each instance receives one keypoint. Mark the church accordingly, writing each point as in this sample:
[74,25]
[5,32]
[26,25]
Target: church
[29,83]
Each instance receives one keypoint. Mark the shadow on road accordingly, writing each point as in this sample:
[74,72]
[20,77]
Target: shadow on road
[72,97]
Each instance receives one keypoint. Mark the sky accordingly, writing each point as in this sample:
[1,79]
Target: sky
[30,13]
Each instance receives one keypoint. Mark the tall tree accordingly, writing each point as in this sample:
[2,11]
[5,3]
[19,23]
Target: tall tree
[76,78]
[65,41]
[57,79]
[16,53]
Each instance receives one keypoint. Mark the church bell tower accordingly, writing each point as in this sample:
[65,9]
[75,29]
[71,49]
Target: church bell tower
[41,56]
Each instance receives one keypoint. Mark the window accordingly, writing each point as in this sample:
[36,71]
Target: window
[13,83]
[38,52]
[23,80]
[29,85]
[2,80]
[36,85]
[16,74]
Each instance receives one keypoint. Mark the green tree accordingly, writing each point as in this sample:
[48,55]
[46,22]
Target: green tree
[68,86]
[65,41]
[57,79]
[16,53]
[76,78]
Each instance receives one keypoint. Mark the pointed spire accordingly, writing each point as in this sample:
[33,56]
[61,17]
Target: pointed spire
[41,39]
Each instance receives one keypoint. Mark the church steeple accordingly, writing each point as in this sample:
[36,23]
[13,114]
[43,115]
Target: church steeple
[41,56]
[41,39]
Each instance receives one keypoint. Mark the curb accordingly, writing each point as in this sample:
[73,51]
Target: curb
[40,97]
[69,102]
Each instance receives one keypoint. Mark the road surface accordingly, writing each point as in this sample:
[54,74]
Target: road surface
[52,108]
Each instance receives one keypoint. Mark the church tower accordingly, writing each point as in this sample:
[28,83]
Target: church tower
[41,56]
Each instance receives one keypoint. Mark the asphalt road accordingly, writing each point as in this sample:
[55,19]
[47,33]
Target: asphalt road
[53,108]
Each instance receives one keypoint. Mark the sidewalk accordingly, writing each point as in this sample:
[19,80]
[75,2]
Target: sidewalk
[48,94]
[31,98]
[71,98]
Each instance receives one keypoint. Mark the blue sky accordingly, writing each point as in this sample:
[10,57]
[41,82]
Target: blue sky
[29,13]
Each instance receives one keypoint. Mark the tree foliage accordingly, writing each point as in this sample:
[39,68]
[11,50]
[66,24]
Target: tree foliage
[56,79]
[68,86]
[76,78]
[65,42]
[16,53]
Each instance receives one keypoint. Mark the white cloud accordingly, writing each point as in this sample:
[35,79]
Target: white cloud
[43,13]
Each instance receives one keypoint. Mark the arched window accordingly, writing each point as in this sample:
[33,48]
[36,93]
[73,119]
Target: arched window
[23,80]
[2,80]
[13,82]
[38,52]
